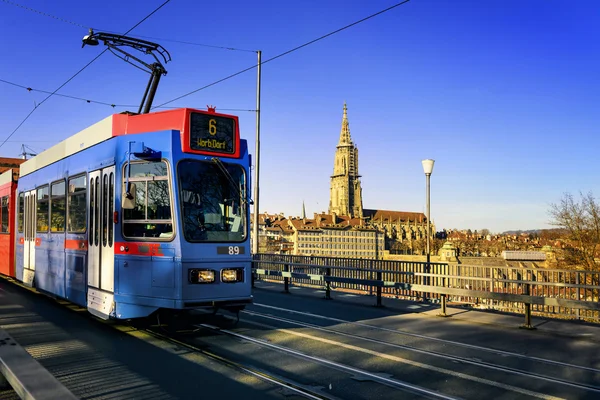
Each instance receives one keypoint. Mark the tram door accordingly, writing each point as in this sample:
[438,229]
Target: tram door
[29,229]
[101,256]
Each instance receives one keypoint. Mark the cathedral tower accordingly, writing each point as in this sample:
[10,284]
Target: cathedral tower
[346,192]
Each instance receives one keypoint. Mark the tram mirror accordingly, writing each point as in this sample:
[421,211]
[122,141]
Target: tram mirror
[128,200]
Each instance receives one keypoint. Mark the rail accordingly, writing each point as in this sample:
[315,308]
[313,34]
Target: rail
[27,377]
[546,292]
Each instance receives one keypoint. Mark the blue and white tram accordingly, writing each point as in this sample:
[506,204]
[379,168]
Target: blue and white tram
[139,213]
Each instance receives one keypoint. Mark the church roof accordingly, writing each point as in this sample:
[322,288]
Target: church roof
[393,216]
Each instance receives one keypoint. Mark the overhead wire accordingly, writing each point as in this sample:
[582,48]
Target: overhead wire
[12,3]
[109,31]
[87,100]
[286,52]
[196,90]
[77,73]
[30,89]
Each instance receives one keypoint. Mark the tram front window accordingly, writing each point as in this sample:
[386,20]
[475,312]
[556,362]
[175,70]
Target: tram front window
[151,217]
[212,201]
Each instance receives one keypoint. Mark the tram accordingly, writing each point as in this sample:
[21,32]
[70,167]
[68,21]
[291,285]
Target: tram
[135,214]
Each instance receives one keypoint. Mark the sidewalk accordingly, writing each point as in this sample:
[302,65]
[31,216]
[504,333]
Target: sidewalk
[94,360]
[567,328]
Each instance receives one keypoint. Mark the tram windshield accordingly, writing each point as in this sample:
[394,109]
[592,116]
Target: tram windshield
[212,197]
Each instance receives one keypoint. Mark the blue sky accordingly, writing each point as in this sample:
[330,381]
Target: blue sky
[504,95]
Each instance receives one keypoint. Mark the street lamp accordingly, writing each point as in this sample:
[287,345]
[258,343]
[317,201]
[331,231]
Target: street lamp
[428,169]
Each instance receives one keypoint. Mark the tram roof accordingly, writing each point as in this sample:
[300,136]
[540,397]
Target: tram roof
[109,127]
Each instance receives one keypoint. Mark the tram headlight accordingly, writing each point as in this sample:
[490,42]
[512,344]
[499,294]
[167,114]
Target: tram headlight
[232,275]
[201,276]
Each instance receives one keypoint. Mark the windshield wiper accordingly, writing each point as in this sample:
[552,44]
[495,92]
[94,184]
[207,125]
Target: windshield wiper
[232,182]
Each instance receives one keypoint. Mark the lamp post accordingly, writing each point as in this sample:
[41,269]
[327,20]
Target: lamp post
[257,158]
[428,169]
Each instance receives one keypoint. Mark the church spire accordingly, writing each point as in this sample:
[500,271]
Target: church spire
[345,138]
[303,210]
[345,189]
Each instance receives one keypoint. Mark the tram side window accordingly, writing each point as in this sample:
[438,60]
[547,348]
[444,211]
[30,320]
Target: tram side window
[21,212]
[5,228]
[152,216]
[77,216]
[58,207]
[42,209]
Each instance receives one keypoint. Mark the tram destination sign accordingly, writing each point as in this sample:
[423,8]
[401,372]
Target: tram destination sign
[212,133]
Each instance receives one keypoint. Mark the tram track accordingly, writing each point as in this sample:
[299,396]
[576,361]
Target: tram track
[286,384]
[388,357]
[464,360]
[352,370]
[469,346]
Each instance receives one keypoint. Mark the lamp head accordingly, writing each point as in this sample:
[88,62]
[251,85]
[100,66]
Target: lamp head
[90,39]
[428,166]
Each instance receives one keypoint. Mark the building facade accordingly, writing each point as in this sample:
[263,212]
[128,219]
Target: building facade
[324,235]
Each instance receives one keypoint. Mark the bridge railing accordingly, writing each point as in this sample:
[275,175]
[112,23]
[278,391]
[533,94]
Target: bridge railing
[28,378]
[548,292]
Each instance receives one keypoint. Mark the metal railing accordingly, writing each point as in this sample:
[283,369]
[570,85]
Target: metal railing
[27,377]
[555,293]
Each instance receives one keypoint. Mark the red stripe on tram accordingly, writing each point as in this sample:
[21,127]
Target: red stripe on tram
[138,249]
[76,244]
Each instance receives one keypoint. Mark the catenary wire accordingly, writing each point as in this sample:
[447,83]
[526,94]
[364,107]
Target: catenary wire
[12,3]
[30,89]
[220,80]
[109,31]
[78,72]
[285,52]
[113,105]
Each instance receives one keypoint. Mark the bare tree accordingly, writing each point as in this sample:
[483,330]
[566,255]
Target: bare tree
[581,222]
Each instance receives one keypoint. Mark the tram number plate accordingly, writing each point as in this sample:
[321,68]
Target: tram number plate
[231,250]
